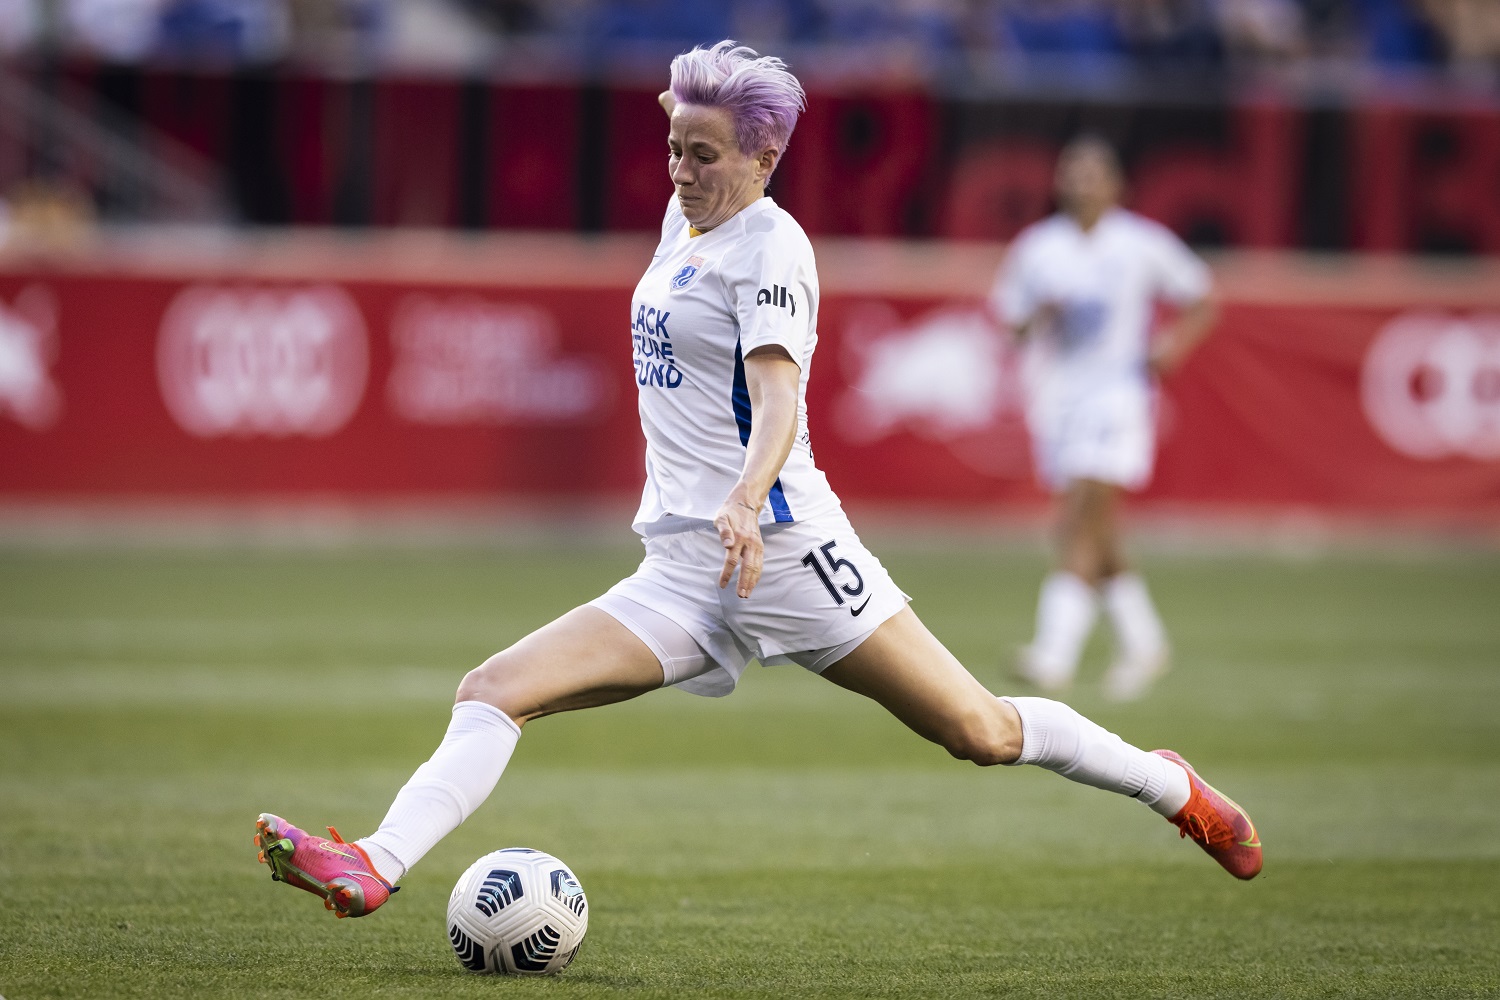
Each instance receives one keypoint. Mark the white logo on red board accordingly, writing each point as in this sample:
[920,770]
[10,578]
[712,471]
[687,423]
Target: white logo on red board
[275,362]
[28,348]
[1431,386]
[463,360]
[947,376]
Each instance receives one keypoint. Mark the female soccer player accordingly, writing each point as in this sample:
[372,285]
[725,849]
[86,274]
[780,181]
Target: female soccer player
[748,553]
[1080,288]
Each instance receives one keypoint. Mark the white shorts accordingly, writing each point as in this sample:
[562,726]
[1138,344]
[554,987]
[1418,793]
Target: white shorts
[1109,437]
[821,593]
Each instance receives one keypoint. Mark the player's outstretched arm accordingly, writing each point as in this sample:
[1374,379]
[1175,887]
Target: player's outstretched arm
[772,379]
[1179,339]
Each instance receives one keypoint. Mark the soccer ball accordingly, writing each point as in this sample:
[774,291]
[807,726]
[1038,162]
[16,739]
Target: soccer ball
[517,912]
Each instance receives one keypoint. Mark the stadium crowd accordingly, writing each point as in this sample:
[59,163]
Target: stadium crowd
[1087,37]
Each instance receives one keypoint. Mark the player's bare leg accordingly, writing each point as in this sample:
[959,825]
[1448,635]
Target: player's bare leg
[1069,601]
[1091,548]
[1091,569]
[585,658]
[1088,542]
[908,671]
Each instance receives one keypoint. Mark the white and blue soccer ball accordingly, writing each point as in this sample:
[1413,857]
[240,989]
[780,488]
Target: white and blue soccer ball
[517,912]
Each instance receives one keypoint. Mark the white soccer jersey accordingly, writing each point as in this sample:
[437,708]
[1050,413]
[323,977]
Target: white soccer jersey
[1106,283]
[703,304]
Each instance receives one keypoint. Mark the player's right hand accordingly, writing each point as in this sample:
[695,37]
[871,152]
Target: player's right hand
[738,525]
[1047,317]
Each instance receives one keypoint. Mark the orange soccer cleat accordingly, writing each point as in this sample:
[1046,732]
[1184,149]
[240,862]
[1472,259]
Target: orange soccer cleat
[1217,824]
[341,873]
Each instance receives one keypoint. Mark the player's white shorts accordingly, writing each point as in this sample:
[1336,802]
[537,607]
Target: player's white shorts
[1108,436]
[821,593]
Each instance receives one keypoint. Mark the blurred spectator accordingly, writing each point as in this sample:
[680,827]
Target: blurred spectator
[20,25]
[1395,33]
[1170,36]
[118,30]
[224,31]
[1060,27]
[48,214]
[680,22]
[930,25]
[763,24]
[1071,40]
[1260,31]
[341,32]
[509,17]
[1470,31]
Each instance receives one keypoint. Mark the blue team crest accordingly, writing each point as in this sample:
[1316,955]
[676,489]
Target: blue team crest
[689,271]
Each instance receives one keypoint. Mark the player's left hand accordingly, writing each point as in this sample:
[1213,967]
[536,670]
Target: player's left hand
[1167,355]
[739,529]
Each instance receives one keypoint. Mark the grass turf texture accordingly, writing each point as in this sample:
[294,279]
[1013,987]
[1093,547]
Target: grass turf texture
[791,840]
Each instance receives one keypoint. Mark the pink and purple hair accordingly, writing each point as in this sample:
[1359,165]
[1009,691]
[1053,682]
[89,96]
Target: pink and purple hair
[762,97]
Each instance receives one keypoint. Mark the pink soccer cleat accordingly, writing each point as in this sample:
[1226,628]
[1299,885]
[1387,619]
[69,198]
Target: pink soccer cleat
[1216,824]
[339,872]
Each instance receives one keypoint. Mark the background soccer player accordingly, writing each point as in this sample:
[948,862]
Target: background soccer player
[1080,288]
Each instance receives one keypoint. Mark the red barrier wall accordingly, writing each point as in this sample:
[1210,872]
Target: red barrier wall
[502,368]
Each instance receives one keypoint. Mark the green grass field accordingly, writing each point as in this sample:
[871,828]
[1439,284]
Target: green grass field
[790,841]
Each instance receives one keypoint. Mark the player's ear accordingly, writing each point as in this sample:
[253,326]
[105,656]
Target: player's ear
[765,163]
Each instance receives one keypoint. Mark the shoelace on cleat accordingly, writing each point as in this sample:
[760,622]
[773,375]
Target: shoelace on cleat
[1208,832]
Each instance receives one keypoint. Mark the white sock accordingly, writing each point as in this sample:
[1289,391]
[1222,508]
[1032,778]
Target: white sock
[446,790]
[1057,738]
[1132,614]
[1065,616]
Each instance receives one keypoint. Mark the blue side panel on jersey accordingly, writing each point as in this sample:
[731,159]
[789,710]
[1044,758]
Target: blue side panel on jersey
[741,400]
[741,396]
[777,497]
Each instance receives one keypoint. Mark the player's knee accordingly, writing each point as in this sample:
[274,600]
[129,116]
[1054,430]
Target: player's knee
[494,682]
[986,738]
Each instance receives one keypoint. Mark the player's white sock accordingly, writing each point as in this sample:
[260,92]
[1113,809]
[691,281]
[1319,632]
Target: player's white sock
[1057,738]
[1136,623]
[1065,615]
[446,790]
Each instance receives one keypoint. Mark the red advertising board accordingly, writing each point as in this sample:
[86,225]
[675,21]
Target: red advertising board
[391,368]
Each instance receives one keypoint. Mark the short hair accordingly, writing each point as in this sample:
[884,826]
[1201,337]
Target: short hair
[761,95]
[1084,143]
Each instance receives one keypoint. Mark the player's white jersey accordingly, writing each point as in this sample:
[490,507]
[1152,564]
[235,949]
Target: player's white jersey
[704,303]
[1105,282]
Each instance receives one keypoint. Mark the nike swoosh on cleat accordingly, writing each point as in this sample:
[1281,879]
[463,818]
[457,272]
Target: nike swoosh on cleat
[856,611]
[343,854]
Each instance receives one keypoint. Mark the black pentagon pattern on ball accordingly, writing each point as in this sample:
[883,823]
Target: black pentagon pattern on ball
[467,949]
[533,953]
[568,892]
[501,888]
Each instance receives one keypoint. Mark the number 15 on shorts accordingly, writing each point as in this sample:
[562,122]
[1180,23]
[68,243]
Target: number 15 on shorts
[828,569]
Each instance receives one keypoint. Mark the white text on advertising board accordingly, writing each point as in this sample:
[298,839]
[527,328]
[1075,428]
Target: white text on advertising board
[273,362]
